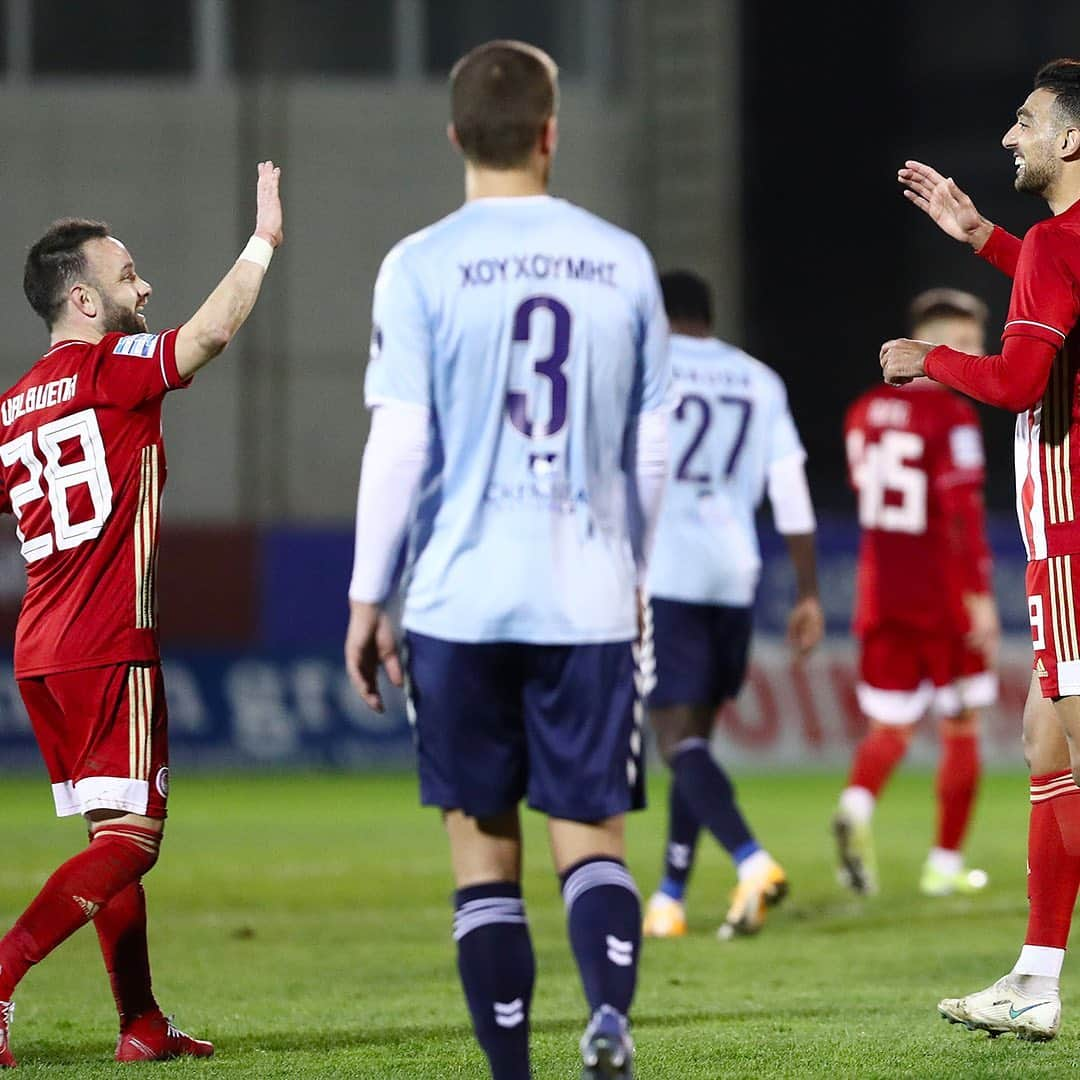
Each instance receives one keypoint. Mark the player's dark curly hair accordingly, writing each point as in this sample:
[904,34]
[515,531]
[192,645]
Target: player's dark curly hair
[1062,78]
[501,96]
[687,297]
[56,262]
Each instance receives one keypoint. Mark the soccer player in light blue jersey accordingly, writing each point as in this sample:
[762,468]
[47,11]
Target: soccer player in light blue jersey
[732,438]
[518,383]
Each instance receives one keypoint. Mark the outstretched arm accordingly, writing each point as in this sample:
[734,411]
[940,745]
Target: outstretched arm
[225,310]
[951,209]
[1014,379]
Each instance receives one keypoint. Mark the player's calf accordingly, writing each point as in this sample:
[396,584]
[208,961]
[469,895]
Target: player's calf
[603,915]
[497,969]
[117,856]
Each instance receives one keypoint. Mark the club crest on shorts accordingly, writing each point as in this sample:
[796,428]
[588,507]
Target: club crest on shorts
[161,781]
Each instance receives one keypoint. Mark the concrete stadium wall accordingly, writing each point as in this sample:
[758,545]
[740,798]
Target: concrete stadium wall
[273,430]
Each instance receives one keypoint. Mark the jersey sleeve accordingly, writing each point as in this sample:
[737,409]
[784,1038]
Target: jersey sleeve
[1001,250]
[1045,300]
[655,382]
[399,367]
[134,369]
[784,441]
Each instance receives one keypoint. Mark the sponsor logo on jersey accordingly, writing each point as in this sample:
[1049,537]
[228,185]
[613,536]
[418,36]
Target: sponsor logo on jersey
[161,781]
[38,397]
[136,345]
[965,445]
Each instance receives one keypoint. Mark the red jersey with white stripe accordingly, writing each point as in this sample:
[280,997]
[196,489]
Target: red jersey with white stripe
[82,466]
[915,459]
[1045,305]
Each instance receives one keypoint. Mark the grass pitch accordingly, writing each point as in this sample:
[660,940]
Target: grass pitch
[303,924]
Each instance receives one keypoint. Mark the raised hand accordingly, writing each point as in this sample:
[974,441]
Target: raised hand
[950,208]
[268,217]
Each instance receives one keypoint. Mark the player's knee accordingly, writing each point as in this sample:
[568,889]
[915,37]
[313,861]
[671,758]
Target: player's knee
[903,732]
[676,727]
[667,743]
[965,723]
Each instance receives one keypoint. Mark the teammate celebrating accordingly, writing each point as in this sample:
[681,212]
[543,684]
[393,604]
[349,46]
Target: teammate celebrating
[82,465]
[732,436]
[1035,376]
[517,379]
[925,614]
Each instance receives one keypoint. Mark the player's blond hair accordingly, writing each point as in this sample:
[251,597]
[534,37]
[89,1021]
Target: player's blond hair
[946,304]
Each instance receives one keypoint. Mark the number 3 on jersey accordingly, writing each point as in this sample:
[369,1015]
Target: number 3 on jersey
[892,490]
[59,480]
[517,402]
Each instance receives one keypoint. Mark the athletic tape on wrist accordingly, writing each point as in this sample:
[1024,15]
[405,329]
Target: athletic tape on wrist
[258,251]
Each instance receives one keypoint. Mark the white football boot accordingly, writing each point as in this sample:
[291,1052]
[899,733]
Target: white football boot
[1010,1005]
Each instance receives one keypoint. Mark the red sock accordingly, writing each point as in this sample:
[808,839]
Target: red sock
[957,783]
[121,930]
[117,856]
[876,756]
[1053,858]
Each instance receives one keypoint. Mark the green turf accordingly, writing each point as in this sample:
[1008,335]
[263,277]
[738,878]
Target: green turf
[303,924]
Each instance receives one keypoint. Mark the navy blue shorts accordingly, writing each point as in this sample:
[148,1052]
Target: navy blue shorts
[701,652]
[497,722]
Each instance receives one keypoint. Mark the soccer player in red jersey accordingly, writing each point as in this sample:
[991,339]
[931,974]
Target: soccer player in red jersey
[1035,376]
[925,615]
[82,466]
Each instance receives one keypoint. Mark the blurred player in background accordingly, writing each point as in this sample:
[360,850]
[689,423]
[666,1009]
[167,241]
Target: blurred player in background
[925,614]
[1035,376]
[732,437]
[82,466]
[518,381]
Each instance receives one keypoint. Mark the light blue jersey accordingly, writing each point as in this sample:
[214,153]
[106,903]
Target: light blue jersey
[730,425]
[535,334]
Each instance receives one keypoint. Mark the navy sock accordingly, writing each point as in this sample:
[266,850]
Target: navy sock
[603,914]
[495,961]
[709,795]
[683,829]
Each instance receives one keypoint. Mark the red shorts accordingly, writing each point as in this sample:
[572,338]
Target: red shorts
[1052,585]
[103,734]
[903,672]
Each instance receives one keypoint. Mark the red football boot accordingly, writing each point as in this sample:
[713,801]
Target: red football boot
[153,1038]
[7,1058]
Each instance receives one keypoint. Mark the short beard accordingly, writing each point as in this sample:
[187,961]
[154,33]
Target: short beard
[119,320]
[1035,179]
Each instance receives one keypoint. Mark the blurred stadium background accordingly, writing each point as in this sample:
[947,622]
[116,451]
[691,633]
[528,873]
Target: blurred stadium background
[759,151]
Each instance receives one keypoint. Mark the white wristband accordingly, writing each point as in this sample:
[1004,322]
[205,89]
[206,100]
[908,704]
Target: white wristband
[258,251]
